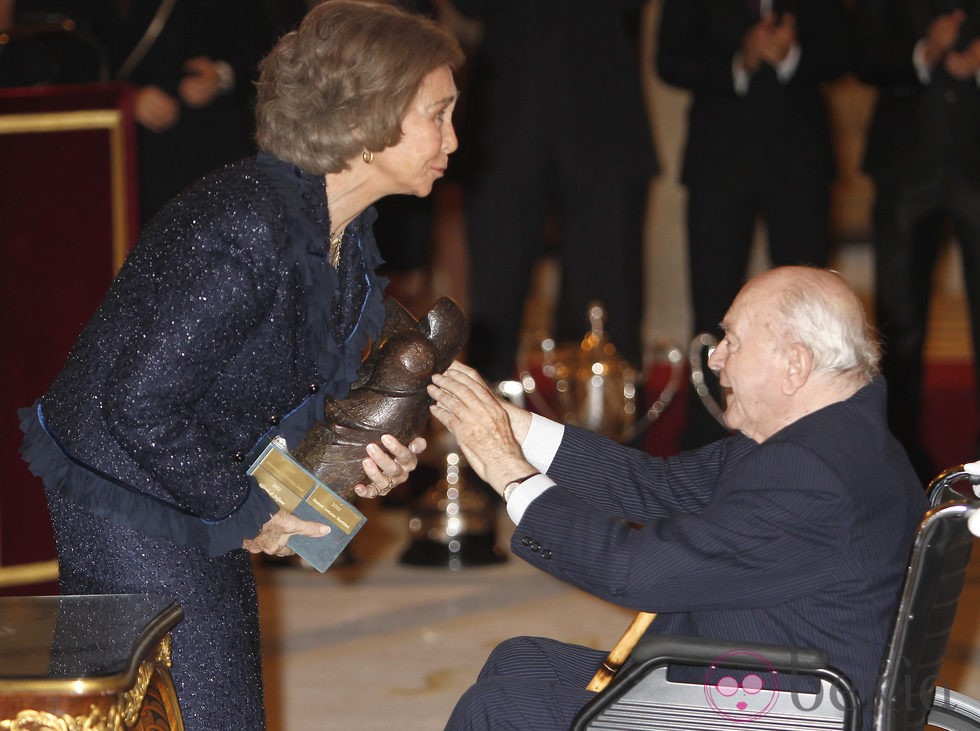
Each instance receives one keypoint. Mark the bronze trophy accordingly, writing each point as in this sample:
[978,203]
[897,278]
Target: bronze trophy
[389,396]
[451,525]
[316,479]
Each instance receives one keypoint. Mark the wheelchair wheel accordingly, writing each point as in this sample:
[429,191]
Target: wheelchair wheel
[954,712]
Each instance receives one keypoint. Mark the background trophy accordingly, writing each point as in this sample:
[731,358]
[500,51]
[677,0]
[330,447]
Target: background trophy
[453,524]
[588,384]
[704,382]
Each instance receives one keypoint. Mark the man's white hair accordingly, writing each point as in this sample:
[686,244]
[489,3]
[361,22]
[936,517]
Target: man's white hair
[831,322]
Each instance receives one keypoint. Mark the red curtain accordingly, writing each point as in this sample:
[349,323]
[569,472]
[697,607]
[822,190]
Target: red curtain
[68,215]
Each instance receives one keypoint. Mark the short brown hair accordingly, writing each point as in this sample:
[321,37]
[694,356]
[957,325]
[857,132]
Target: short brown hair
[343,81]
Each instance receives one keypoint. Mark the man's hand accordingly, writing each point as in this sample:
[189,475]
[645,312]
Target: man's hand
[779,39]
[768,41]
[942,35]
[485,429]
[277,530]
[963,65]
[155,109]
[200,86]
[754,41]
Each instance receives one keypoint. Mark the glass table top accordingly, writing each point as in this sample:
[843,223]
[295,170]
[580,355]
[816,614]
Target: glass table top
[69,637]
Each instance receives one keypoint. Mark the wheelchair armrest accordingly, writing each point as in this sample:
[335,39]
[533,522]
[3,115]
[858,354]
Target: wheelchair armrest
[701,651]
[942,487]
[642,691]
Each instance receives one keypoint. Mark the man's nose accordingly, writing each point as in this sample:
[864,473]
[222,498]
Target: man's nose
[716,358]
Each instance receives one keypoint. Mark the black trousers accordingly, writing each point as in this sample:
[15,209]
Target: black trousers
[721,219]
[600,220]
[528,684]
[909,223]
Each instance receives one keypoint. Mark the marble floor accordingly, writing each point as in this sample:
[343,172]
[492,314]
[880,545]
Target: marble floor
[380,645]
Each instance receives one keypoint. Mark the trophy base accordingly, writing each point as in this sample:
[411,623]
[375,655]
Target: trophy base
[469,550]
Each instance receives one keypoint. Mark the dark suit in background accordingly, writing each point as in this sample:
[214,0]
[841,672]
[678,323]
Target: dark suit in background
[765,152]
[203,138]
[923,154]
[557,123]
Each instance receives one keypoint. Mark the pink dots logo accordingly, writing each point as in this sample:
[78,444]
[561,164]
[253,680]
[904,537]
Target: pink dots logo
[741,697]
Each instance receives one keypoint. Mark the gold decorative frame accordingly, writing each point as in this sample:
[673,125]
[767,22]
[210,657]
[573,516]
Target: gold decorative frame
[111,120]
[149,704]
[22,574]
[140,697]
[92,119]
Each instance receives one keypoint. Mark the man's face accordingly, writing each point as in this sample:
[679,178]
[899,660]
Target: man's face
[751,363]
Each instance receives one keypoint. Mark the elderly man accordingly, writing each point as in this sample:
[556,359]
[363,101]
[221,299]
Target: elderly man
[794,531]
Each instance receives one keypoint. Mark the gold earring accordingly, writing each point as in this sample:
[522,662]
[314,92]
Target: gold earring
[367,156]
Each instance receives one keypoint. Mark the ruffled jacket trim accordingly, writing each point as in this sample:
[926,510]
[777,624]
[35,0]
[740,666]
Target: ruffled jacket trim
[68,478]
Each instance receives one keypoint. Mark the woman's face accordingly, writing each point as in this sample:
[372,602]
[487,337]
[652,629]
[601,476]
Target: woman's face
[428,138]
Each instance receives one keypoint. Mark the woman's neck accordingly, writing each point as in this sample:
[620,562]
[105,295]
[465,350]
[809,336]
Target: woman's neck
[349,192]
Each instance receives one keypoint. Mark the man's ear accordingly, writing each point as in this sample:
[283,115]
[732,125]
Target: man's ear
[799,366]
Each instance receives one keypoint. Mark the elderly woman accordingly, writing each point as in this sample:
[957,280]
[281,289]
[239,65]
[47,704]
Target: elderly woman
[247,300]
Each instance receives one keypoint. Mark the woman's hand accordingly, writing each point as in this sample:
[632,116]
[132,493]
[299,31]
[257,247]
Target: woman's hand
[485,428]
[277,530]
[388,464]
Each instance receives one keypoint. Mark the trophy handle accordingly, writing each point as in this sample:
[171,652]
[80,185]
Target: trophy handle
[698,344]
[675,359]
[528,384]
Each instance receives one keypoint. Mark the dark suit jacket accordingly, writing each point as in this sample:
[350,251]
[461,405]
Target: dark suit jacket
[918,130]
[802,540]
[777,129]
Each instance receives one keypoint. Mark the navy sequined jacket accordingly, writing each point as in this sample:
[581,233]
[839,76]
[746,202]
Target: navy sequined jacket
[224,321]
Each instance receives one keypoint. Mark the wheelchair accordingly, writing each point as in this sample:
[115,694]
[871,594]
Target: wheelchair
[907,697]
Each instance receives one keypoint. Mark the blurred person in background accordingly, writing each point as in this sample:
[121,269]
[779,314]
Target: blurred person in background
[923,154]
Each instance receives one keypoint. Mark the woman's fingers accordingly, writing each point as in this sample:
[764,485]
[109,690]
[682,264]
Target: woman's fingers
[276,531]
[388,465]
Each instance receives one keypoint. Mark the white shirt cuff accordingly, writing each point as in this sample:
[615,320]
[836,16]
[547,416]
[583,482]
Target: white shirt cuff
[542,441]
[226,76]
[539,447]
[525,493]
[740,77]
[922,70]
[786,68]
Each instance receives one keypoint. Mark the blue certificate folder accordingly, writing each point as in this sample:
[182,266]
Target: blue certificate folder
[300,493]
